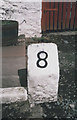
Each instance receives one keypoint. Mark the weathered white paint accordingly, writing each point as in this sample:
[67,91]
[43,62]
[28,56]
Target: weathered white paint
[40,0]
[28,14]
[13,94]
[43,82]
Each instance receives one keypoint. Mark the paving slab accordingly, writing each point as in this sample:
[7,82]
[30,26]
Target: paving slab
[11,80]
[10,66]
[13,61]
[13,51]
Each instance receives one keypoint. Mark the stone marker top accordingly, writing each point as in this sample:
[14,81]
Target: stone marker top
[52,59]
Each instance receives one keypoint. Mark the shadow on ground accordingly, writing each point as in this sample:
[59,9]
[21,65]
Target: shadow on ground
[23,77]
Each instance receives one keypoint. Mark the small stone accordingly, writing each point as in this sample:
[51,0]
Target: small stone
[45,115]
[72,106]
[49,107]
[63,57]
[74,95]
[55,117]
[66,42]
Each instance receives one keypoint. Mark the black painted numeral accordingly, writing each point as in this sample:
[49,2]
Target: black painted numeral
[42,59]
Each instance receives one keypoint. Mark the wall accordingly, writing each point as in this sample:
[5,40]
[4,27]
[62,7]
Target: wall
[28,14]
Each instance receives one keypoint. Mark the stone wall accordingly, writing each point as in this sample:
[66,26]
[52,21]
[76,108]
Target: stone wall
[28,14]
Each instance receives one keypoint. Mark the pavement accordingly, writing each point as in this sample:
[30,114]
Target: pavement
[13,63]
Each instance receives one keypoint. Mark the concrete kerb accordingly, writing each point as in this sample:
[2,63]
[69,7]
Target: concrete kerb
[13,94]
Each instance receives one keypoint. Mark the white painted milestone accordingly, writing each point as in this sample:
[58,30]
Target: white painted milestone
[43,72]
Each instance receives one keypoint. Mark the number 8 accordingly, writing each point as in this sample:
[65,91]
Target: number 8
[40,59]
